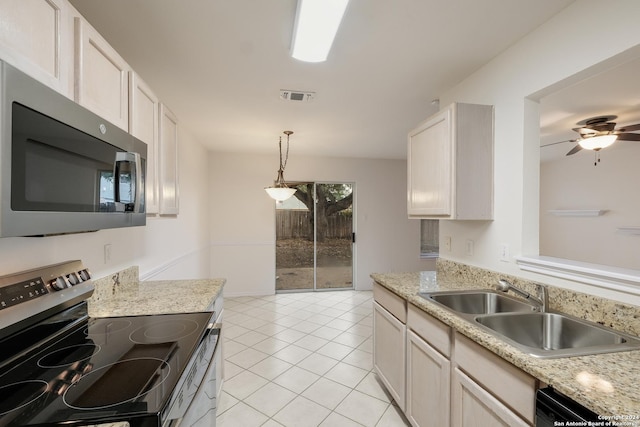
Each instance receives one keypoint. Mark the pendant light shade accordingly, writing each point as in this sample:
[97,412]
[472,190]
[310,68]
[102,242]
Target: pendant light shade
[280,191]
[280,194]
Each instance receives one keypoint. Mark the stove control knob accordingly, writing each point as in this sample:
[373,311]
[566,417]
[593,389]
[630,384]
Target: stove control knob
[59,283]
[73,279]
[84,274]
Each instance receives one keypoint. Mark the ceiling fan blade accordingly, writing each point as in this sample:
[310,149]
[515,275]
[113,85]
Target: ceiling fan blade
[629,136]
[630,128]
[574,150]
[558,142]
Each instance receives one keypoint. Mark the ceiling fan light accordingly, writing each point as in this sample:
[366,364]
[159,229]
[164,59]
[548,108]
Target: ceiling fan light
[597,142]
[315,28]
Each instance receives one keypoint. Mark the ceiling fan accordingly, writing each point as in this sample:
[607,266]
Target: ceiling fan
[600,132]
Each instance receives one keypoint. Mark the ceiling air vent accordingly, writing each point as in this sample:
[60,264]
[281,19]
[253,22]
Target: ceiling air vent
[297,95]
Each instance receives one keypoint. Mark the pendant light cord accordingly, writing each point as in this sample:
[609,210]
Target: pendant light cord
[286,159]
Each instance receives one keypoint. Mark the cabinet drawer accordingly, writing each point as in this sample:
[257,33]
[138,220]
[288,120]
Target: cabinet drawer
[513,386]
[390,301]
[430,329]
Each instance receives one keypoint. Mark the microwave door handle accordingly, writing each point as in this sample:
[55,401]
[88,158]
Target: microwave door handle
[139,189]
[136,159]
[120,157]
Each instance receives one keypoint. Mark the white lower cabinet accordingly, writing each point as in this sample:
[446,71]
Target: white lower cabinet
[428,384]
[389,335]
[493,389]
[473,406]
[439,377]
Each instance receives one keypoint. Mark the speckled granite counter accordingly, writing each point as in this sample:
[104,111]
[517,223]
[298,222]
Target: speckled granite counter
[608,384]
[123,295]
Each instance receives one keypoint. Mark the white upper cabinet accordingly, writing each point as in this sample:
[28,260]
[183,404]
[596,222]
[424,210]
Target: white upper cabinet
[37,38]
[450,164]
[101,75]
[53,43]
[144,118]
[168,161]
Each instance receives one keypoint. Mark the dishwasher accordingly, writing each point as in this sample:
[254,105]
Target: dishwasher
[555,409]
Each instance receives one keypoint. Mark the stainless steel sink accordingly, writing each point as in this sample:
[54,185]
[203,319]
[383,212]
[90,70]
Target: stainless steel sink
[479,302]
[548,335]
[543,335]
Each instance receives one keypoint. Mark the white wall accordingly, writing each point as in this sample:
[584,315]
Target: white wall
[575,183]
[563,48]
[243,216]
[165,248]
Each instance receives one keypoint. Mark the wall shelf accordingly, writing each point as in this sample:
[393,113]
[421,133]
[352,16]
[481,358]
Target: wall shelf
[629,230]
[577,212]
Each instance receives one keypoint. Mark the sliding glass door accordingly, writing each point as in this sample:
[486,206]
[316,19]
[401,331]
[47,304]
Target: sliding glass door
[314,238]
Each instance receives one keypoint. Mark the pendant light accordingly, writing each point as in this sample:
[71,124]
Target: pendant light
[280,191]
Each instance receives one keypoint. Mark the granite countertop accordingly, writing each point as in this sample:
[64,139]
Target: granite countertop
[124,295]
[608,384]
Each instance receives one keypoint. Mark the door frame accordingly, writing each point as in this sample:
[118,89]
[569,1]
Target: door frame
[315,250]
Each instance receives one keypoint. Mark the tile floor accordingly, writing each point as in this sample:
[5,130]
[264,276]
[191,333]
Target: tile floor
[302,359]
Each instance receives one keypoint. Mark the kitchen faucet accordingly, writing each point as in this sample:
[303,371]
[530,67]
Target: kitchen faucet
[542,299]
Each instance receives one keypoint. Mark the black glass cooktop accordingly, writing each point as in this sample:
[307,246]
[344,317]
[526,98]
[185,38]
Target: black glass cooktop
[99,370]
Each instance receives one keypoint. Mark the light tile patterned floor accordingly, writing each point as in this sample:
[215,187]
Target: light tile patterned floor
[302,359]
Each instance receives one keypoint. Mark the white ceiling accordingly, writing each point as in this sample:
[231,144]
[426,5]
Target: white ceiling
[612,92]
[219,65]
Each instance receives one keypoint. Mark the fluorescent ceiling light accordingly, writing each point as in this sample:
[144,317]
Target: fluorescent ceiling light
[316,25]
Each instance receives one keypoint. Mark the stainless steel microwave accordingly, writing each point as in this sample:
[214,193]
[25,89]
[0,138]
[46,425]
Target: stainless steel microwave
[63,169]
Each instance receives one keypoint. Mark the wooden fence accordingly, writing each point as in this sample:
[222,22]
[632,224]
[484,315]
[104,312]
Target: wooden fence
[292,224]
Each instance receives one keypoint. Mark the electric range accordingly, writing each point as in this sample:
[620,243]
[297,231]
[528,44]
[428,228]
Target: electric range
[58,366]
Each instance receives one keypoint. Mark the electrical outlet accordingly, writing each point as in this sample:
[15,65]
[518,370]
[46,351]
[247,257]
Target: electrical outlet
[504,252]
[107,253]
[447,243]
[469,247]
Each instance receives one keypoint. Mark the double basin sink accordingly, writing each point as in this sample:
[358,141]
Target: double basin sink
[543,335]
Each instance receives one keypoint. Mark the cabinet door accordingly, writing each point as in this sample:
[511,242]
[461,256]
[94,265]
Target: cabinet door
[473,406]
[102,76]
[429,168]
[168,161]
[37,38]
[389,338]
[144,117]
[428,384]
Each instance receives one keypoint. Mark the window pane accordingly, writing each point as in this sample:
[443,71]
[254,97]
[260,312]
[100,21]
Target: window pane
[429,238]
